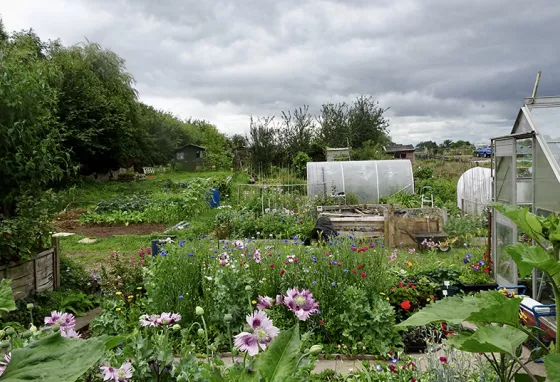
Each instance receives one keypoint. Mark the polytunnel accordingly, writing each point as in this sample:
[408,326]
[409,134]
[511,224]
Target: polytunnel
[368,180]
[474,190]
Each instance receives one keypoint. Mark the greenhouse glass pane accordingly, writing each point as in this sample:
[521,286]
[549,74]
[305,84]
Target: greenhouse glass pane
[504,184]
[523,126]
[547,122]
[505,267]
[547,187]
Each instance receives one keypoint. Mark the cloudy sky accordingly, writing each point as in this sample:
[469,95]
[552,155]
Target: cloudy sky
[448,69]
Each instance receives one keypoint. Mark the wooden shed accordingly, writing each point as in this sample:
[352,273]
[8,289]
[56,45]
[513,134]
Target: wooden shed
[190,157]
[401,151]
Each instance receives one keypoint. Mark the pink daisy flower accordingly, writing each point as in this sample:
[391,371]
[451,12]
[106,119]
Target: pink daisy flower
[122,374]
[264,302]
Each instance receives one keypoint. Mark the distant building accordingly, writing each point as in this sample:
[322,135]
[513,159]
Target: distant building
[338,154]
[401,151]
[190,157]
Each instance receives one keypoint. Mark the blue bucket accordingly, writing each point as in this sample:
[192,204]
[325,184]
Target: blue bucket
[214,198]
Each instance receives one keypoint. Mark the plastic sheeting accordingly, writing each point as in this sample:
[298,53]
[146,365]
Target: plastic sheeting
[474,190]
[368,180]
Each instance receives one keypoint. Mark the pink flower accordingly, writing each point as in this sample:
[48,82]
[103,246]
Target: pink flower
[69,333]
[122,374]
[238,244]
[164,319]
[4,363]
[169,318]
[257,256]
[263,333]
[279,299]
[223,258]
[301,303]
[146,320]
[64,320]
[264,302]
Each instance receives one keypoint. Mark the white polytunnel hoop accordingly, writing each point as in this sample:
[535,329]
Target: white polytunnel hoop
[368,180]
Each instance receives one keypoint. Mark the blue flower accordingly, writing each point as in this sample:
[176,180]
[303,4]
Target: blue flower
[212,257]
[481,263]
[379,368]
[346,271]
[334,263]
[180,297]
[333,283]
[314,259]
[465,260]
[330,243]
[191,254]
[314,283]
[468,255]
[163,253]
[394,360]
[182,243]
[295,237]
[318,312]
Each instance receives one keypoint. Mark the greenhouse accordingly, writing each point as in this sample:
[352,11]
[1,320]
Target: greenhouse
[367,180]
[526,173]
[474,190]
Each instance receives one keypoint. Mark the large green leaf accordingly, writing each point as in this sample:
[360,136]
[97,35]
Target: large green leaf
[490,339]
[529,257]
[488,307]
[552,366]
[279,361]
[527,378]
[526,221]
[7,303]
[53,359]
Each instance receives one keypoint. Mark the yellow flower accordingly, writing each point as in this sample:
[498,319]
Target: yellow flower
[389,299]
[118,293]
[381,293]
[428,299]
[522,316]
[363,348]
[118,309]
[253,302]
[139,288]
[131,296]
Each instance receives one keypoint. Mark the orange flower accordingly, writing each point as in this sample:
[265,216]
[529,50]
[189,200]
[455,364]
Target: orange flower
[405,305]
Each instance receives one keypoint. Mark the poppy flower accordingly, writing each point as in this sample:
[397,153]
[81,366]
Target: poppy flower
[443,360]
[405,305]
[363,274]
[282,272]
[360,266]
[271,266]
[354,249]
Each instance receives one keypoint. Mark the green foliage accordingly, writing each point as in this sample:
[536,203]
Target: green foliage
[74,277]
[300,164]
[7,303]
[279,362]
[465,228]
[54,358]
[362,321]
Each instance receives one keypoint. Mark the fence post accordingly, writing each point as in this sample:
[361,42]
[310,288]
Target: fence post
[56,262]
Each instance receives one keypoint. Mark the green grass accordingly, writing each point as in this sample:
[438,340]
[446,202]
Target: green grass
[89,192]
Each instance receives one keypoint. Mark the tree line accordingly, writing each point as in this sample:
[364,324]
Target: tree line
[299,136]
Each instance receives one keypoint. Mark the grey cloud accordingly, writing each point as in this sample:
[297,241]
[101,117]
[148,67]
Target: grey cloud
[447,69]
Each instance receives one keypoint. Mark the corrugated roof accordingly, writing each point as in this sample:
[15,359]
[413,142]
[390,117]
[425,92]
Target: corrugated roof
[397,148]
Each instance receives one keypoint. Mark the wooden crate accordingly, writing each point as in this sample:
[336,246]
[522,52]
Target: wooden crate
[35,275]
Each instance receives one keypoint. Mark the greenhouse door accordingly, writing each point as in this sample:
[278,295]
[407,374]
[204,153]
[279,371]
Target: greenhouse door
[505,191]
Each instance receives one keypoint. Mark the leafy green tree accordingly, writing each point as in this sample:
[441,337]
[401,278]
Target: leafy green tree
[299,164]
[334,129]
[219,154]
[263,139]
[297,130]
[3,34]
[98,106]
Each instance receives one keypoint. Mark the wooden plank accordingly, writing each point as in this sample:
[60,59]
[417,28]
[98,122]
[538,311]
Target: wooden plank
[365,219]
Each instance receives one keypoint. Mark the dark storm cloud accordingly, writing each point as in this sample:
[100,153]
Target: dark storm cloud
[448,69]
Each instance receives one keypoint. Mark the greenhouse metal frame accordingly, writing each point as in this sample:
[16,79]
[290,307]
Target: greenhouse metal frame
[526,171]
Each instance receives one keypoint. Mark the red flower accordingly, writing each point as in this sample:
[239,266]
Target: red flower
[353,271]
[282,272]
[372,245]
[296,260]
[322,322]
[270,254]
[286,262]
[363,274]
[363,249]
[443,359]
[271,266]
[360,266]
[354,249]
[400,284]
[340,264]
[393,369]
[143,263]
[405,305]
[413,287]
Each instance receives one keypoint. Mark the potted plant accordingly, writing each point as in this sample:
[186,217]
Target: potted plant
[476,274]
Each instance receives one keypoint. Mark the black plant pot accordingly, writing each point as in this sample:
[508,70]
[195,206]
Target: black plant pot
[474,288]
[452,290]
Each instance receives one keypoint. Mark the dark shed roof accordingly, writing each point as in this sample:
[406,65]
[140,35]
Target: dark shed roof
[398,148]
[191,145]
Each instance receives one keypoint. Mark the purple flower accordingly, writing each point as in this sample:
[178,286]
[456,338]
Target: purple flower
[263,332]
[238,244]
[180,297]
[301,303]
[64,320]
[279,299]
[146,320]
[165,319]
[481,263]
[468,255]
[314,282]
[69,333]
[465,260]
[4,363]
[182,243]
[122,374]
[264,302]
[257,256]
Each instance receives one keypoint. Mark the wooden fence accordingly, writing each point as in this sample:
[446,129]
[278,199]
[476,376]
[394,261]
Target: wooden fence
[38,274]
